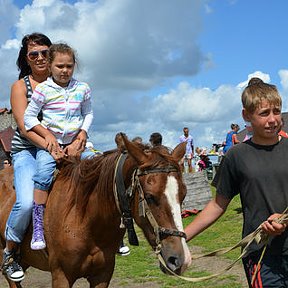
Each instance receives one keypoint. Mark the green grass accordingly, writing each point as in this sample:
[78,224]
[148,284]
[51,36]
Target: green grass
[141,266]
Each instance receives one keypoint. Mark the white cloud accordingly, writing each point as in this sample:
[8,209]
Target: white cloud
[284,78]
[265,77]
[8,15]
[127,50]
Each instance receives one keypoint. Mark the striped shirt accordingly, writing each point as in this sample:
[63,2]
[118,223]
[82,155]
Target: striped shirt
[65,110]
[19,142]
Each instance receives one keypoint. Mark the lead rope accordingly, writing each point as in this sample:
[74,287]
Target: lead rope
[258,235]
[281,220]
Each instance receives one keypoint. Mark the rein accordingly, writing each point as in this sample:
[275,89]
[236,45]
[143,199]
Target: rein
[259,236]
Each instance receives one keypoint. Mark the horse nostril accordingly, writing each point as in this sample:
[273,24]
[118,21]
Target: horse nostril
[173,263]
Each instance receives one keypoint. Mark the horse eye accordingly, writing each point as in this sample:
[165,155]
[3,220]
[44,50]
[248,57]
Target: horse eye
[151,200]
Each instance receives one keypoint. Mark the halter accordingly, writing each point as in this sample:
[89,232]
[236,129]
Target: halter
[124,197]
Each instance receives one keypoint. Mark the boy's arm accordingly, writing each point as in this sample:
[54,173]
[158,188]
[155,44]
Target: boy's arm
[213,210]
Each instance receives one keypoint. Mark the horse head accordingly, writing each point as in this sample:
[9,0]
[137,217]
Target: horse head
[158,191]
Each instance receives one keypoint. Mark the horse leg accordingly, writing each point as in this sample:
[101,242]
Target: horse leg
[102,280]
[59,280]
[95,282]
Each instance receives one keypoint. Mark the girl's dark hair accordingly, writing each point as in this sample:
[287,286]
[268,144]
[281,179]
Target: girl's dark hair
[21,62]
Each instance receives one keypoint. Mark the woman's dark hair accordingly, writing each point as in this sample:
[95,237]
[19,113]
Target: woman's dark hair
[21,62]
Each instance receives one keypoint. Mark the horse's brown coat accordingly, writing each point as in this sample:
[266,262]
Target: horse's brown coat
[82,223]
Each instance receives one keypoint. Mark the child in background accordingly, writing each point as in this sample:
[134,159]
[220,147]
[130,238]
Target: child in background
[67,115]
[257,170]
[231,138]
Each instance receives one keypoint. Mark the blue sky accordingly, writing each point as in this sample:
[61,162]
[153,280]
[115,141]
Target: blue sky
[158,65]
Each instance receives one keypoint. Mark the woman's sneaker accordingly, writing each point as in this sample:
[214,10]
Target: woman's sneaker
[10,266]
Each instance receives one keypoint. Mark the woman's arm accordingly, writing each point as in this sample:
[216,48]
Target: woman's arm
[19,104]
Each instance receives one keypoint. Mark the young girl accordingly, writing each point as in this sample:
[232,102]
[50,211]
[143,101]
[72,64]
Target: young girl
[67,115]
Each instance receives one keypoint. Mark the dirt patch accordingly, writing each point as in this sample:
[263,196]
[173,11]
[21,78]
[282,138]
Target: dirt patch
[39,279]
[216,264]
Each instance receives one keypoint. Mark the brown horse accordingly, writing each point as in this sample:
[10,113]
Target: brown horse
[84,215]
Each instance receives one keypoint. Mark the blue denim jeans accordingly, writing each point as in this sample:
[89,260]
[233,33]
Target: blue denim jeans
[24,163]
[45,167]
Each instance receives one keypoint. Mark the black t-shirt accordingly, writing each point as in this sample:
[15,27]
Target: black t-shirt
[260,174]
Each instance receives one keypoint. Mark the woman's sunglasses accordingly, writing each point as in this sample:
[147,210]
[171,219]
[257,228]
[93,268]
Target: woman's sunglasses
[33,55]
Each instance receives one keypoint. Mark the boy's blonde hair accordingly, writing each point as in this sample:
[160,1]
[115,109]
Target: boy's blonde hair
[256,92]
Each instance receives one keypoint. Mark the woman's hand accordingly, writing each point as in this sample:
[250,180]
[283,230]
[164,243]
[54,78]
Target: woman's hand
[58,154]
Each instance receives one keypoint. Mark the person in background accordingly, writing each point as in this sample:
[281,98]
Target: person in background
[33,66]
[249,129]
[67,115]
[281,132]
[137,139]
[186,137]
[231,138]
[155,139]
[257,170]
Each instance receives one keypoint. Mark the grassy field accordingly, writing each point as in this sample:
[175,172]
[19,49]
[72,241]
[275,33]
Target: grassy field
[141,265]
[140,268]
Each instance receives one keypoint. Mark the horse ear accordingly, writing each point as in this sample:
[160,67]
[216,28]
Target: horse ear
[179,151]
[134,150]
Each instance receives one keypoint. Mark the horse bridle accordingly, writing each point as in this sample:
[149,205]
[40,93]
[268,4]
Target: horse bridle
[123,199]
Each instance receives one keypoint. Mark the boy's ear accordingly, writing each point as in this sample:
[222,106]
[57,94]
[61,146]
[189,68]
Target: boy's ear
[245,115]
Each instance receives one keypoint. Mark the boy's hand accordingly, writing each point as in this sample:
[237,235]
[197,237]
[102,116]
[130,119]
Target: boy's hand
[271,227]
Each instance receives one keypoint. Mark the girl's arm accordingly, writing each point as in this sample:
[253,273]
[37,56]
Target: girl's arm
[79,143]
[213,210]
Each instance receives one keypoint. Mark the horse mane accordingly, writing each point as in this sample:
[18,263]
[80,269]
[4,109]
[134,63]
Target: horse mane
[85,176]
[97,174]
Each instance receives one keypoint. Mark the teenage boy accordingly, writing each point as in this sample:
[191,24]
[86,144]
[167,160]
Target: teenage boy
[257,170]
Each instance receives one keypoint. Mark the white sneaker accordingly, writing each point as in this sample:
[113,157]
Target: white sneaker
[38,245]
[124,251]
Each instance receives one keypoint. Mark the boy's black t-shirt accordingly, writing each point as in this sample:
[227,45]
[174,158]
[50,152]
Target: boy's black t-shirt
[260,175]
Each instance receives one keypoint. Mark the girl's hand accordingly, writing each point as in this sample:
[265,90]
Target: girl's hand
[73,149]
[271,227]
[81,140]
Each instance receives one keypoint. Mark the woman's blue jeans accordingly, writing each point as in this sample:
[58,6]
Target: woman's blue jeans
[24,164]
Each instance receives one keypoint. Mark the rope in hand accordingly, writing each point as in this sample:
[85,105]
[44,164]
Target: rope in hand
[259,236]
